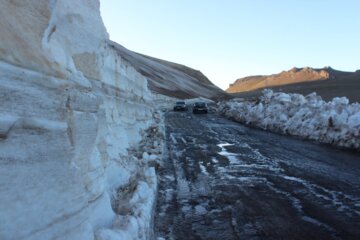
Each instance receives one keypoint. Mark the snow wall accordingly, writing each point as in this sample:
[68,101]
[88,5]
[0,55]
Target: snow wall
[335,122]
[70,107]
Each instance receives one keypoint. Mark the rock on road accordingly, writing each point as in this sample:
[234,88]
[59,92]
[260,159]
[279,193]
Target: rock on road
[222,180]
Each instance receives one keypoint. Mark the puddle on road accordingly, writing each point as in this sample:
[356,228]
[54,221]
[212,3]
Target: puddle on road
[222,145]
[214,160]
[224,152]
[203,169]
[231,156]
[260,161]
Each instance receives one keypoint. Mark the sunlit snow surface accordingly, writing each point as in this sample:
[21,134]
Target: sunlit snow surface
[336,122]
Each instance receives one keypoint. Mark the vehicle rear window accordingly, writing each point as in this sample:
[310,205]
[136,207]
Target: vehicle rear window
[200,104]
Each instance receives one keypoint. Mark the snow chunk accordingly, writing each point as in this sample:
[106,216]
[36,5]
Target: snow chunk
[283,97]
[354,120]
[336,122]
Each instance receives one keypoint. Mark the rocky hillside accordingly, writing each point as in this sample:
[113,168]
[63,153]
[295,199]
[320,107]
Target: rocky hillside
[294,75]
[326,82]
[169,78]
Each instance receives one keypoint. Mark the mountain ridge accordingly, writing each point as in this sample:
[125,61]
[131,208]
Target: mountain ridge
[327,82]
[294,75]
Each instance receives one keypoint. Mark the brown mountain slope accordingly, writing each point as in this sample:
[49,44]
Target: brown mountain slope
[171,79]
[337,84]
[295,75]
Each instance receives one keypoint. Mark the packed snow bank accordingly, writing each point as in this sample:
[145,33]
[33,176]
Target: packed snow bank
[336,122]
[71,110]
[134,202]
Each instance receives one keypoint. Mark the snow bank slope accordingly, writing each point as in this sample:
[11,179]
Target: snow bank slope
[71,108]
[336,122]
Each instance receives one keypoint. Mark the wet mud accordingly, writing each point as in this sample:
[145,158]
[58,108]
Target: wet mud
[222,180]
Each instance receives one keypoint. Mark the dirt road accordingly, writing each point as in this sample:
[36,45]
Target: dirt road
[222,180]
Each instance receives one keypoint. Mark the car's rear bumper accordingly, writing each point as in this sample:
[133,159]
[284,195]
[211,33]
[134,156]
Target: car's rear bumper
[200,110]
[179,109]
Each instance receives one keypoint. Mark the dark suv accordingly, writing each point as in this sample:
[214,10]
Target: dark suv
[180,106]
[200,107]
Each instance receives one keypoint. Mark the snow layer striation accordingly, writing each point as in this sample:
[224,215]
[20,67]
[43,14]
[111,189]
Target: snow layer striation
[71,110]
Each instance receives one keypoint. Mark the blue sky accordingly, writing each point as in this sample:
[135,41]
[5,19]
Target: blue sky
[229,39]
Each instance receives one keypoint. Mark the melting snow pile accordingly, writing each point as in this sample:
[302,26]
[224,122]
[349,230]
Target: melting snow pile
[336,122]
[134,202]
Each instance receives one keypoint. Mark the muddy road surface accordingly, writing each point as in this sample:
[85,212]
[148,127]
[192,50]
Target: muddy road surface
[222,180]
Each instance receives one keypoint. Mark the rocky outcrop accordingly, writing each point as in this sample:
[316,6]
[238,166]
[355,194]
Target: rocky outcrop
[294,75]
[71,107]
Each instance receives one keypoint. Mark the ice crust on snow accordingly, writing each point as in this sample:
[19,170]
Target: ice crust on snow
[335,122]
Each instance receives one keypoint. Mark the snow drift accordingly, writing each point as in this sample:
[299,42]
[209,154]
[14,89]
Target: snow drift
[336,122]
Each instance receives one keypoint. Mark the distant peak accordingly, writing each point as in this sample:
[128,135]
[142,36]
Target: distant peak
[294,69]
[310,69]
